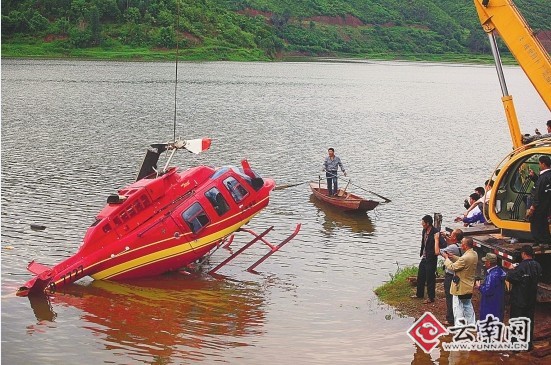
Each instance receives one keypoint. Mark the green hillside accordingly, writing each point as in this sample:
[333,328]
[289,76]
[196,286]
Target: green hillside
[249,29]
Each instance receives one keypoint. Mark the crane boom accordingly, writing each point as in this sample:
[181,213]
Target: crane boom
[504,17]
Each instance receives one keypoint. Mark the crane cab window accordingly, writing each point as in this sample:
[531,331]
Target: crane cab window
[513,196]
[522,182]
[237,191]
[195,217]
[218,201]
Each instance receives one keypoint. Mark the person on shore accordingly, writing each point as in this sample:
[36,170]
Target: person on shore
[453,247]
[463,281]
[331,167]
[427,267]
[524,281]
[540,204]
[492,291]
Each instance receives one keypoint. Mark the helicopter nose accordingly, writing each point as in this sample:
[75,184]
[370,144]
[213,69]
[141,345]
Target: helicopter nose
[269,183]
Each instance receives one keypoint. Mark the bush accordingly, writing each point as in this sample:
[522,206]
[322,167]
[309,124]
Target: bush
[166,38]
[38,23]
[165,19]
[80,38]
[61,26]
[14,22]
[110,43]
[132,15]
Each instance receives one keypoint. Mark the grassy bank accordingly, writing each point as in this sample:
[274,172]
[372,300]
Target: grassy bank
[59,50]
[397,291]
[55,50]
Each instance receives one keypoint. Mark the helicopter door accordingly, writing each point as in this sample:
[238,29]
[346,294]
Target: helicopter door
[195,218]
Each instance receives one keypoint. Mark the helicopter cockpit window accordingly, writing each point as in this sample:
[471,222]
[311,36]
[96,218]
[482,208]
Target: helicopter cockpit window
[237,191]
[255,181]
[218,201]
[219,172]
[195,217]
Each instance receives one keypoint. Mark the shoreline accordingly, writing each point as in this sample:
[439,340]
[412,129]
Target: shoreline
[29,51]
[398,290]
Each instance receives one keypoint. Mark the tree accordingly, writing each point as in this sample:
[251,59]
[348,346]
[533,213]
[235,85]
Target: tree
[165,18]
[166,37]
[132,15]
[78,9]
[14,22]
[95,25]
[108,9]
[38,23]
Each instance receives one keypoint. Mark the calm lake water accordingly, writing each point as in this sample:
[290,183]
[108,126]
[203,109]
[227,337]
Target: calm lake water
[73,132]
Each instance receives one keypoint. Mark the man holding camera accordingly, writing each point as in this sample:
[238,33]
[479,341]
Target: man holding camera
[453,247]
[463,281]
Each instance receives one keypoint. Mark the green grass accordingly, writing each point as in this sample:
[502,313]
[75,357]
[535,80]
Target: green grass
[57,50]
[398,288]
[125,53]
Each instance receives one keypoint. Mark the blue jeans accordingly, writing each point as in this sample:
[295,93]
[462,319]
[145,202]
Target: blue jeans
[463,308]
[332,187]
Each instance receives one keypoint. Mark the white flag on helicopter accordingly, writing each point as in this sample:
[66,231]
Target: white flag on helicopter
[197,145]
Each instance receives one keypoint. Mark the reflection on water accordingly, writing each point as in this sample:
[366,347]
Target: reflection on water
[333,218]
[172,317]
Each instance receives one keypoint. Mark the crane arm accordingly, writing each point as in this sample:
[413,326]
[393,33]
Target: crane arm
[504,17]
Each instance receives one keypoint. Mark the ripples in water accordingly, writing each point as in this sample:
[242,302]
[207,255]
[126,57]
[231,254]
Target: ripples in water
[74,132]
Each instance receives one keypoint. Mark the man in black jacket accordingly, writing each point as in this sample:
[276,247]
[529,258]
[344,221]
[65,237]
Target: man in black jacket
[524,280]
[541,203]
[427,266]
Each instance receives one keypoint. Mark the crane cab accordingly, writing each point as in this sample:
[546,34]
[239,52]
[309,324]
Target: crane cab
[511,194]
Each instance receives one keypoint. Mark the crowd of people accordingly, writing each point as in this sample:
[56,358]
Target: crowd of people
[461,260]
[460,282]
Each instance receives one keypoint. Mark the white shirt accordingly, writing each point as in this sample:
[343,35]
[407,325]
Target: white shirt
[474,211]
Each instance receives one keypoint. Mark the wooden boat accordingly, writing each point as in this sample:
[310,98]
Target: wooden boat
[343,200]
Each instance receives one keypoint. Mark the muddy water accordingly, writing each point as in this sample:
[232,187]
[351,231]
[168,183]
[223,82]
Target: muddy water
[423,135]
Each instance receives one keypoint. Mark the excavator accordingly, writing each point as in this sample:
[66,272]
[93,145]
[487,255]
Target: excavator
[509,199]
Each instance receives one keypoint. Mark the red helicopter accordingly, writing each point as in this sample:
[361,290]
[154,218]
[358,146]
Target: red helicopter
[164,221]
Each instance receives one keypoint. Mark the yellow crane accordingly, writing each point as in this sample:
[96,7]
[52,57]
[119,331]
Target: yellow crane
[510,195]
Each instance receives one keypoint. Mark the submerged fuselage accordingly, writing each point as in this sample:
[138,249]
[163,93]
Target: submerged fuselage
[160,223]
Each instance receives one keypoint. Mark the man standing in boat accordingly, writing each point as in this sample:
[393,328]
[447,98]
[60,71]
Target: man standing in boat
[331,167]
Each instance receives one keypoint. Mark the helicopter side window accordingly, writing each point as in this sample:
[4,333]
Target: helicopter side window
[195,217]
[237,191]
[218,201]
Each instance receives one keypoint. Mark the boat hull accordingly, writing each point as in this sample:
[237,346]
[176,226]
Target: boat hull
[343,200]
